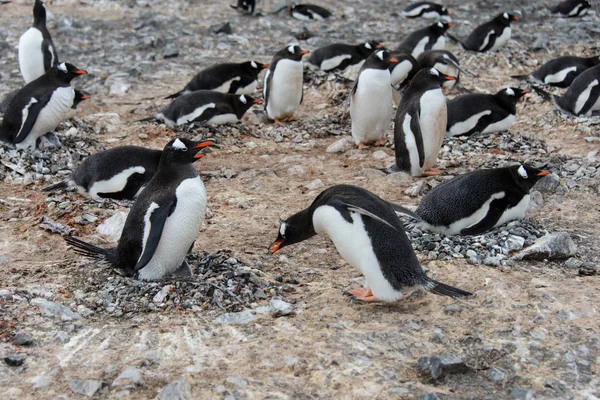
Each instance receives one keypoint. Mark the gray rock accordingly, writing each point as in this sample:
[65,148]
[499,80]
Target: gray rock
[51,309]
[380,155]
[113,226]
[492,261]
[552,246]
[61,336]
[429,396]
[418,188]
[573,263]
[170,51]
[399,178]
[23,339]
[237,381]
[162,295]
[339,146]
[536,200]
[520,393]
[548,184]
[316,184]
[14,360]
[41,381]
[452,309]
[495,375]
[279,308]
[236,318]
[222,28]
[439,366]
[87,387]
[130,376]
[515,243]
[177,390]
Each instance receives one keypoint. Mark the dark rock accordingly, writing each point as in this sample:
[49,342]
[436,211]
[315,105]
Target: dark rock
[86,387]
[553,246]
[170,51]
[439,366]
[14,360]
[548,184]
[23,339]
[177,390]
[222,28]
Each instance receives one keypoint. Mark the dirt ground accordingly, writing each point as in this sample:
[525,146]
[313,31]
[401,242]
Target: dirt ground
[536,322]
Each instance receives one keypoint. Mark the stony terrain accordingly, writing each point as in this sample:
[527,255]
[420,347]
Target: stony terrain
[252,325]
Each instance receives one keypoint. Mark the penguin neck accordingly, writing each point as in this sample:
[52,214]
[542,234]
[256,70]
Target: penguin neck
[240,108]
[39,15]
[508,103]
[173,170]
[303,226]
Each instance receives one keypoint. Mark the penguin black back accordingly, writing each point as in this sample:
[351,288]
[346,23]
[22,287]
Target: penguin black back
[309,12]
[491,35]
[425,9]
[571,8]
[583,96]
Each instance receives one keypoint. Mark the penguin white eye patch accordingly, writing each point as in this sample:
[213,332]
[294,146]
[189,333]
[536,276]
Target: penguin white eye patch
[62,67]
[282,229]
[380,55]
[178,144]
[368,45]
[253,64]
[505,15]
[243,99]
[434,71]
[291,49]
[522,172]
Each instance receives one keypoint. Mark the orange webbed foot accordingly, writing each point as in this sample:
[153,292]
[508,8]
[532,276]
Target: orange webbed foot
[432,172]
[362,294]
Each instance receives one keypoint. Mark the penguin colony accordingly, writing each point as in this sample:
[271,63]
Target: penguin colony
[169,196]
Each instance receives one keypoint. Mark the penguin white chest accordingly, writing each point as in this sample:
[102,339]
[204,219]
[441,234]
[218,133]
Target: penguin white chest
[584,97]
[352,241]
[433,119]
[113,185]
[248,89]
[420,46]
[400,72]
[371,106]
[225,86]
[502,39]
[31,56]
[516,212]
[179,232]
[440,43]
[285,89]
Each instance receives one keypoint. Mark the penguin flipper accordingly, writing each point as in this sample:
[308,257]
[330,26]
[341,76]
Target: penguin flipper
[157,223]
[362,211]
[415,126]
[401,210]
[50,57]
[496,210]
[33,109]
[174,95]
[267,87]
[543,94]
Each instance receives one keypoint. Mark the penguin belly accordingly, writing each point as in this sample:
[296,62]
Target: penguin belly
[420,47]
[50,116]
[353,243]
[502,39]
[516,212]
[467,125]
[583,97]
[248,89]
[433,121]
[223,119]
[502,125]
[113,185]
[225,86]
[31,56]
[371,109]
[188,118]
[558,76]
[334,62]
[179,232]
[440,43]
[285,89]
[401,71]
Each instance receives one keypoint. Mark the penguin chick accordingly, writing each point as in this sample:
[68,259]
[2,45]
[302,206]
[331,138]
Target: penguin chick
[371,100]
[37,53]
[475,202]
[282,89]
[583,96]
[483,113]
[39,106]
[369,236]
[230,78]
[164,220]
[119,173]
[489,36]
[561,71]
[213,108]
[572,8]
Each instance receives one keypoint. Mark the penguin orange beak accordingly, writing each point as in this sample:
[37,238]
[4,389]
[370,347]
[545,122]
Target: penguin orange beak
[265,66]
[543,173]
[85,97]
[275,246]
[525,91]
[79,72]
[450,78]
[515,18]
[450,25]
[303,52]
[257,101]
[203,144]
[393,60]
[379,46]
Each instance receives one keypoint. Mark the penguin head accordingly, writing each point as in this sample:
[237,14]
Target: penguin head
[255,67]
[80,96]
[39,13]
[366,48]
[430,77]
[525,176]
[444,11]
[441,27]
[65,72]
[380,59]
[242,103]
[506,18]
[183,151]
[512,95]
[292,52]
[295,229]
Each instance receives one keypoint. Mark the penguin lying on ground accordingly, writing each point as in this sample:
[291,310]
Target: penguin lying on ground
[339,56]
[371,100]
[245,6]
[425,9]
[429,38]
[369,236]
[475,202]
[230,78]
[213,108]
[282,89]
[483,113]
[119,173]
[37,53]
[39,106]
[583,96]
[420,124]
[164,220]
[571,8]
[309,12]
[490,36]
[561,71]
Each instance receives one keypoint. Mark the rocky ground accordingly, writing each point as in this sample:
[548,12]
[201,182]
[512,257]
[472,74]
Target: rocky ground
[254,325]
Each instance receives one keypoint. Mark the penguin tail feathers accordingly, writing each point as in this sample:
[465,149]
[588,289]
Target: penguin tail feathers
[56,186]
[442,289]
[88,250]
[520,77]
[455,39]
[543,94]
[176,95]
[152,118]
[398,209]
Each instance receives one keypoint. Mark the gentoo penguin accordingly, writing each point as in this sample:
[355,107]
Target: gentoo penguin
[483,113]
[371,100]
[231,78]
[213,108]
[425,9]
[37,53]
[420,124]
[583,96]
[339,56]
[119,173]
[404,69]
[164,220]
[79,97]
[429,38]
[443,61]
[282,88]
[475,202]
[309,12]
[571,8]
[369,236]
[561,71]
[489,36]
[39,106]
[245,6]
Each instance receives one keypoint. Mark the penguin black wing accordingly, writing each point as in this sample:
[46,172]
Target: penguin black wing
[481,39]
[497,208]
[49,51]
[267,83]
[409,127]
[154,225]
[29,115]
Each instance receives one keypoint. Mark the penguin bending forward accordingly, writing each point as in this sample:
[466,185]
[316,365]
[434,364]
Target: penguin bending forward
[475,202]
[371,100]
[420,124]
[119,173]
[37,53]
[369,236]
[583,96]
[39,106]
[282,89]
[489,36]
[561,71]
[164,220]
